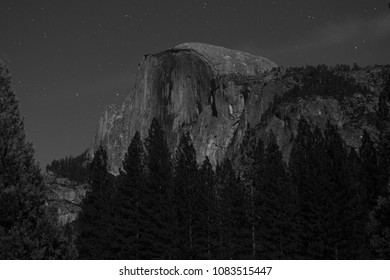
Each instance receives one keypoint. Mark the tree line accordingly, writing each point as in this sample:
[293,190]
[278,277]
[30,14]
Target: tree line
[73,168]
[330,202]
[324,81]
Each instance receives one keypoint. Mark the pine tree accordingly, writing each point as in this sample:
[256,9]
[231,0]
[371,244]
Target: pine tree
[234,229]
[128,213]
[300,171]
[369,172]
[26,229]
[247,173]
[187,199]
[383,126]
[379,227]
[256,176]
[337,194]
[379,224]
[93,222]
[17,165]
[357,210]
[315,191]
[157,240]
[208,211]
[276,207]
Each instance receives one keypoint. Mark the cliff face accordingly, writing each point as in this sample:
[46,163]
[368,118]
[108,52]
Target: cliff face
[64,197]
[214,92]
[191,87]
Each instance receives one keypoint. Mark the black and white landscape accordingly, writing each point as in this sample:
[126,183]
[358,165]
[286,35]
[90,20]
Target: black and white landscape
[270,141]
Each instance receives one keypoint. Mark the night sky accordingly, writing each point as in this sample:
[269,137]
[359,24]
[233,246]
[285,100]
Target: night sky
[69,59]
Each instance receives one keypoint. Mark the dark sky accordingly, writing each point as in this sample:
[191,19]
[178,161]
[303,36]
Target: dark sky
[69,59]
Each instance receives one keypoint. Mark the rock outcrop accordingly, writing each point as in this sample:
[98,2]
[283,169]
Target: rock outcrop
[214,92]
[64,197]
[191,87]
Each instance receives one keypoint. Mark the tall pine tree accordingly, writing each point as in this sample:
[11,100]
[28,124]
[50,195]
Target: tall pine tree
[336,193]
[128,213]
[247,174]
[157,241]
[26,229]
[208,211]
[300,170]
[93,220]
[357,210]
[234,227]
[379,218]
[187,200]
[276,208]
[369,175]
[383,126]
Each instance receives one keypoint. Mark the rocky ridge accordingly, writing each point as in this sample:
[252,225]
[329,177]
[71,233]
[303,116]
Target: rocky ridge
[214,92]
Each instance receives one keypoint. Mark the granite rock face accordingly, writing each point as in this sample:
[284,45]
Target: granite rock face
[283,122]
[352,114]
[64,197]
[214,93]
[192,87]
